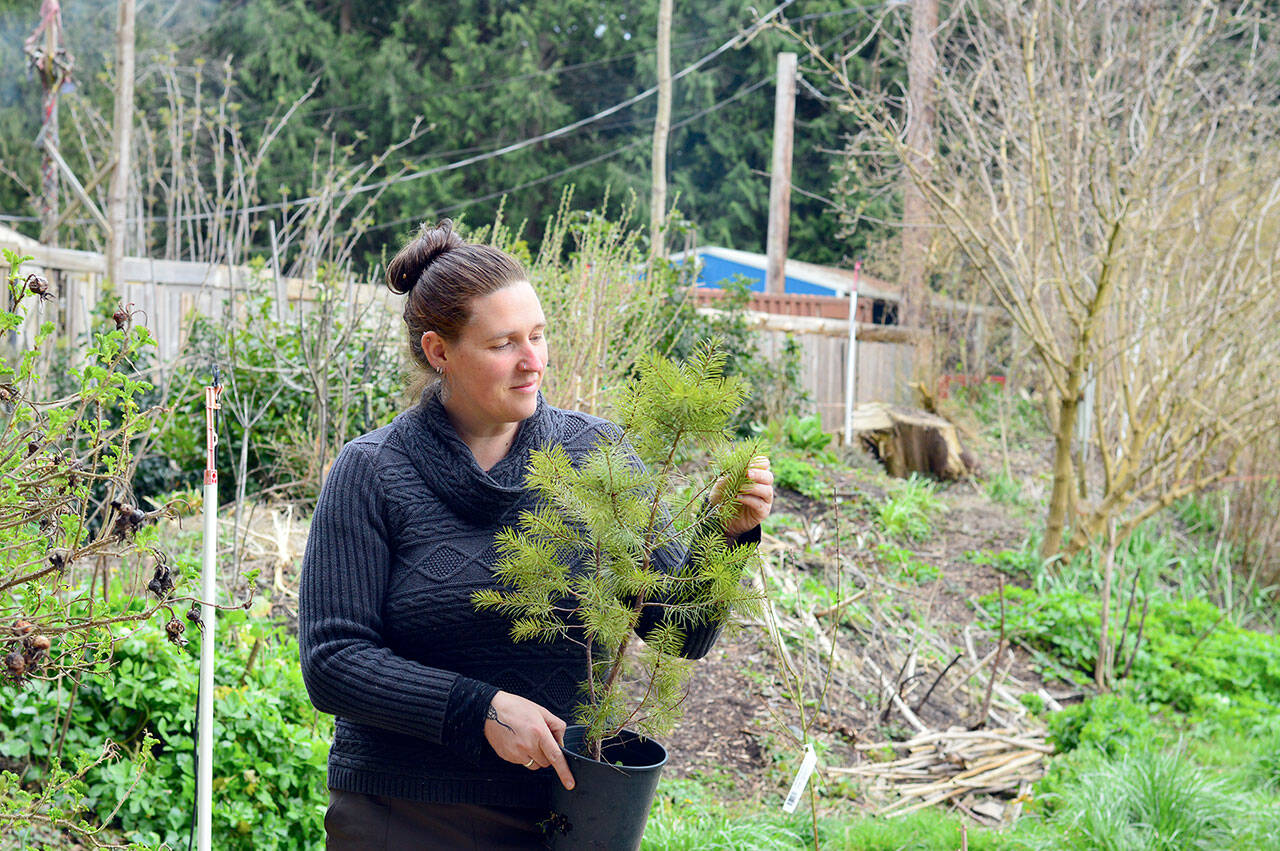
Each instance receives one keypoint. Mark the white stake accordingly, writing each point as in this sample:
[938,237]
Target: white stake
[851,367]
[208,577]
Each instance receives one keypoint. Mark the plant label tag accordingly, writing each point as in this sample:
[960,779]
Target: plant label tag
[802,779]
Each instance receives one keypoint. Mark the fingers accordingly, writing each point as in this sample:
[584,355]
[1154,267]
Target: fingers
[553,756]
[758,478]
[556,726]
[526,734]
[755,500]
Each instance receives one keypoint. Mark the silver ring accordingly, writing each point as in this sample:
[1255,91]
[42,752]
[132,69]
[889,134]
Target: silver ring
[529,764]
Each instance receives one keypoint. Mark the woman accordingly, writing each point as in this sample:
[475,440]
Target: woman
[444,724]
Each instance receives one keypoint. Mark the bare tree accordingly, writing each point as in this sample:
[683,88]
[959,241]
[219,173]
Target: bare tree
[1108,170]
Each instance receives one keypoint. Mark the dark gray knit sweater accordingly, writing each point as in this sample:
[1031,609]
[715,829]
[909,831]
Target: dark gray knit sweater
[402,536]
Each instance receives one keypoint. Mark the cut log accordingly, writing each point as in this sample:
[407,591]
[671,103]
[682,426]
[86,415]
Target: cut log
[909,441]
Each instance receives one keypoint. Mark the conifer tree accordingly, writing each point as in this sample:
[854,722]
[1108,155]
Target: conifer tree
[592,563]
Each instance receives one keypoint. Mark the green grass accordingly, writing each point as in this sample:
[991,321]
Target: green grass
[689,815]
[989,403]
[903,566]
[1151,799]
[1004,489]
[909,508]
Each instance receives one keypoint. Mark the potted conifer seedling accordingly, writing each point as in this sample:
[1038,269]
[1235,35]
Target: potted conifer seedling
[603,559]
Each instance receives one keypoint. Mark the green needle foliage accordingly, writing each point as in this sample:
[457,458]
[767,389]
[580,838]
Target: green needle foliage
[594,562]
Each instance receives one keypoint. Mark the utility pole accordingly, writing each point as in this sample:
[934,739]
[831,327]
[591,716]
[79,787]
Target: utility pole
[48,55]
[784,114]
[661,130]
[123,142]
[922,65]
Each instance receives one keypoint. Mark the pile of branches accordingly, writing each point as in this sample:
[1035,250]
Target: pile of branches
[965,767]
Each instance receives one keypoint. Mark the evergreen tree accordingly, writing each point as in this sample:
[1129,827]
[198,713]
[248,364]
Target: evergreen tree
[482,74]
[587,564]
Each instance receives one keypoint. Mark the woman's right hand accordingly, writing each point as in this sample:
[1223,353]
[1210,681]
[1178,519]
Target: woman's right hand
[526,734]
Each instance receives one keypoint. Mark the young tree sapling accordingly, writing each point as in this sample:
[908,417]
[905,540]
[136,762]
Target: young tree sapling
[600,559]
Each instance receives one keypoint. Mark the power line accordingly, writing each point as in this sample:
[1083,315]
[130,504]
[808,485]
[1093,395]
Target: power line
[576,166]
[749,33]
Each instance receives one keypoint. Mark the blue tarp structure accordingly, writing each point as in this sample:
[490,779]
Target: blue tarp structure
[721,264]
[716,269]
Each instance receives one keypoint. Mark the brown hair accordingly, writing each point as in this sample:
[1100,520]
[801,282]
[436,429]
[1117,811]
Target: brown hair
[442,275]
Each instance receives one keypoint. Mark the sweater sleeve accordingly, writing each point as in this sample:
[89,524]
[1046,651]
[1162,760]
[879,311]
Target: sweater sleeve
[348,669]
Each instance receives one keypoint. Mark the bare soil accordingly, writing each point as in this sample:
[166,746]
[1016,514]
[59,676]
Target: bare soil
[736,723]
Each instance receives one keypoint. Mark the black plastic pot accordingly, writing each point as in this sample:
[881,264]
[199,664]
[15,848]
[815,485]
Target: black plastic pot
[609,803]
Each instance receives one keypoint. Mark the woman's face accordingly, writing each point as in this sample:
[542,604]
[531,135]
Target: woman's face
[494,369]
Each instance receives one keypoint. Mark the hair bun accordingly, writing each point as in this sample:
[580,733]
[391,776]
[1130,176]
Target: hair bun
[406,268]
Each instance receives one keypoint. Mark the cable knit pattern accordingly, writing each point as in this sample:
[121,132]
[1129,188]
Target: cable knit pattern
[402,537]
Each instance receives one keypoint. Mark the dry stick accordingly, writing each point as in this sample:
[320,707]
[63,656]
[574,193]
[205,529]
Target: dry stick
[253,657]
[66,722]
[1137,640]
[898,701]
[977,666]
[959,735]
[937,679]
[822,613]
[995,666]
[1103,670]
[897,689]
[1128,610]
[975,778]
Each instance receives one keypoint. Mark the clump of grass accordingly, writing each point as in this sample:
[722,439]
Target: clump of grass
[1266,767]
[1150,799]
[909,508]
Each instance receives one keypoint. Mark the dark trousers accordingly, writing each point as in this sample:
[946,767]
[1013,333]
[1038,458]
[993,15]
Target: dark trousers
[356,822]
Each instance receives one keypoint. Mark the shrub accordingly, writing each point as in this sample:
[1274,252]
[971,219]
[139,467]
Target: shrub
[903,565]
[1191,660]
[800,476]
[1021,563]
[1111,723]
[295,389]
[262,714]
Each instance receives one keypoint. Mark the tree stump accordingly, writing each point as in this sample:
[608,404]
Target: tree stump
[907,440]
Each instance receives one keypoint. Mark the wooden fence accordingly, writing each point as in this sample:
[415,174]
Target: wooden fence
[167,293]
[170,293]
[883,365]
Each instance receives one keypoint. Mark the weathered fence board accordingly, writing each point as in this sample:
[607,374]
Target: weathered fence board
[884,369]
[170,292]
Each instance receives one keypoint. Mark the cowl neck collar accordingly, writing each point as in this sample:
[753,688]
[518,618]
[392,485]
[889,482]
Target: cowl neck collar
[445,462]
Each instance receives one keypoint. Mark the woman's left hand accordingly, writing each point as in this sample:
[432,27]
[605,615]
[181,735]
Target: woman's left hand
[755,500]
